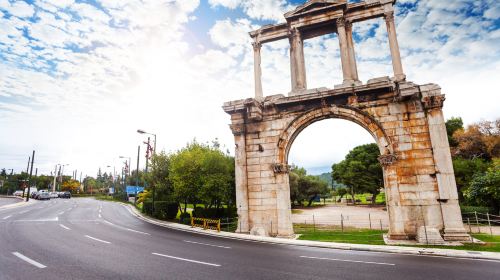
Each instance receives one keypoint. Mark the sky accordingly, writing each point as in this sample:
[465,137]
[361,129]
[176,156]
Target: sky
[78,78]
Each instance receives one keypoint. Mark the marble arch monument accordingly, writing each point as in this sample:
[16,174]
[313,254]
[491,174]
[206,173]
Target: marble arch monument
[405,119]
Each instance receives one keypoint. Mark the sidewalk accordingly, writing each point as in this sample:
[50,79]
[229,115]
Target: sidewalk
[21,202]
[331,245]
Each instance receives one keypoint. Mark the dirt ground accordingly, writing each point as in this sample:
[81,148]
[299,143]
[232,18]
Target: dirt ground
[351,216]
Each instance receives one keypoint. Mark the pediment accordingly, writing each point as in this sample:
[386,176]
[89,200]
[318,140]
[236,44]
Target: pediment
[315,5]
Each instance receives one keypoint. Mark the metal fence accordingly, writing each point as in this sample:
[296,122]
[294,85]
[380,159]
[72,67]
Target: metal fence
[476,222]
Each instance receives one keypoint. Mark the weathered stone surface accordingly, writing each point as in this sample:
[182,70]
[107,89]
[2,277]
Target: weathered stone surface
[429,235]
[404,118]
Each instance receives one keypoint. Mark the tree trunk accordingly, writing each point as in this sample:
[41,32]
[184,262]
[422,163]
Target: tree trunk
[310,201]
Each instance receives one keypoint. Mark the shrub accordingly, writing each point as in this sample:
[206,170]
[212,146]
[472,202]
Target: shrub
[165,210]
[147,207]
[185,218]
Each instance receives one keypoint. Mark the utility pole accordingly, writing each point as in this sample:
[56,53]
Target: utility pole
[27,169]
[137,173]
[55,178]
[29,178]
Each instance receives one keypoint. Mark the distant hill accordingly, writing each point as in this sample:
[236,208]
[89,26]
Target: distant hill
[327,177]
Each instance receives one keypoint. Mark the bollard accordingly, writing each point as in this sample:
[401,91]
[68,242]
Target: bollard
[477,222]
[489,223]
[271,233]
[381,225]
[370,219]
[240,226]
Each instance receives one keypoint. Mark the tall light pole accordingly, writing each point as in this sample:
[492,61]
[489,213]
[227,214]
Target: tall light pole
[140,131]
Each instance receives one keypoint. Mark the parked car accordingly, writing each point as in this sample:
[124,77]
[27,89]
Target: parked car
[54,195]
[18,193]
[65,195]
[43,195]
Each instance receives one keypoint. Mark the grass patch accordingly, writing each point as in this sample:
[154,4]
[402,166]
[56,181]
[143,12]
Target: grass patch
[492,244]
[374,237]
[350,235]
[296,211]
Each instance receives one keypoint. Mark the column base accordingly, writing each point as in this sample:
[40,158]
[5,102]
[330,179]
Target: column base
[399,78]
[398,236]
[348,83]
[457,235]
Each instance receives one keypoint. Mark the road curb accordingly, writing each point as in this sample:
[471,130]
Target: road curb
[331,245]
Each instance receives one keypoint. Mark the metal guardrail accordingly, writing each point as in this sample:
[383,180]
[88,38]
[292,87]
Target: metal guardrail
[206,223]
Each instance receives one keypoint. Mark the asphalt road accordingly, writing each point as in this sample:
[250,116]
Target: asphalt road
[88,239]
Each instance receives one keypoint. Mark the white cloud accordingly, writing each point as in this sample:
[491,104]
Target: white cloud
[85,86]
[19,9]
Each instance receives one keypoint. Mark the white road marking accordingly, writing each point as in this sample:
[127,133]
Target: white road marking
[218,246]
[60,213]
[141,232]
[25,211]
[40,220]
[6,217]
[28,260]
[64,227]
[100,215]
[97,239]
[186,260]
[341,260]
[129,229]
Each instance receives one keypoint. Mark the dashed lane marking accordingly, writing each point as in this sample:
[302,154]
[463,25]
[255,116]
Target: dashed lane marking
[64,227]
[28,260]
[186,260]
[128,229]
[6,217]
[97,239]
[199,243]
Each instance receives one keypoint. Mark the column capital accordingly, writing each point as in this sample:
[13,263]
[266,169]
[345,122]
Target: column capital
[341,22]
[281,168]
[433,102]
[348,24]
[295,33]
[389,16]
[256,45]
[237,128]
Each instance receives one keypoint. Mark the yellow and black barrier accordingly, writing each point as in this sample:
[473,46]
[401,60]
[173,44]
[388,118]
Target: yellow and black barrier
[206,223]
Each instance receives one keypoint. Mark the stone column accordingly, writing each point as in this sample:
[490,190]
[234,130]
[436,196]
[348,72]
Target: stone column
[432,101]
[240,162]
[350,49]
[393,44]
[257,70]
[297,61]
[344,52]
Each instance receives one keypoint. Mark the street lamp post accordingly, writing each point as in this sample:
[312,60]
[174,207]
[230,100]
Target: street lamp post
[140,131]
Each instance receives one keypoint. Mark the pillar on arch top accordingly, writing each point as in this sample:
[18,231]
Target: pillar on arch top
[297,61]
[259,95]
[397,66]
[350,49]
[344,52]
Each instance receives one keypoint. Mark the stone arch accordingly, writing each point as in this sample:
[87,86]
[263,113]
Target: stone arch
[348,113]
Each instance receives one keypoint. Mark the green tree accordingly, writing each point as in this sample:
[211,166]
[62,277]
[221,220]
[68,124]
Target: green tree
[484,188]
[465,169]
[453,124]
[360,171]
[159,177]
